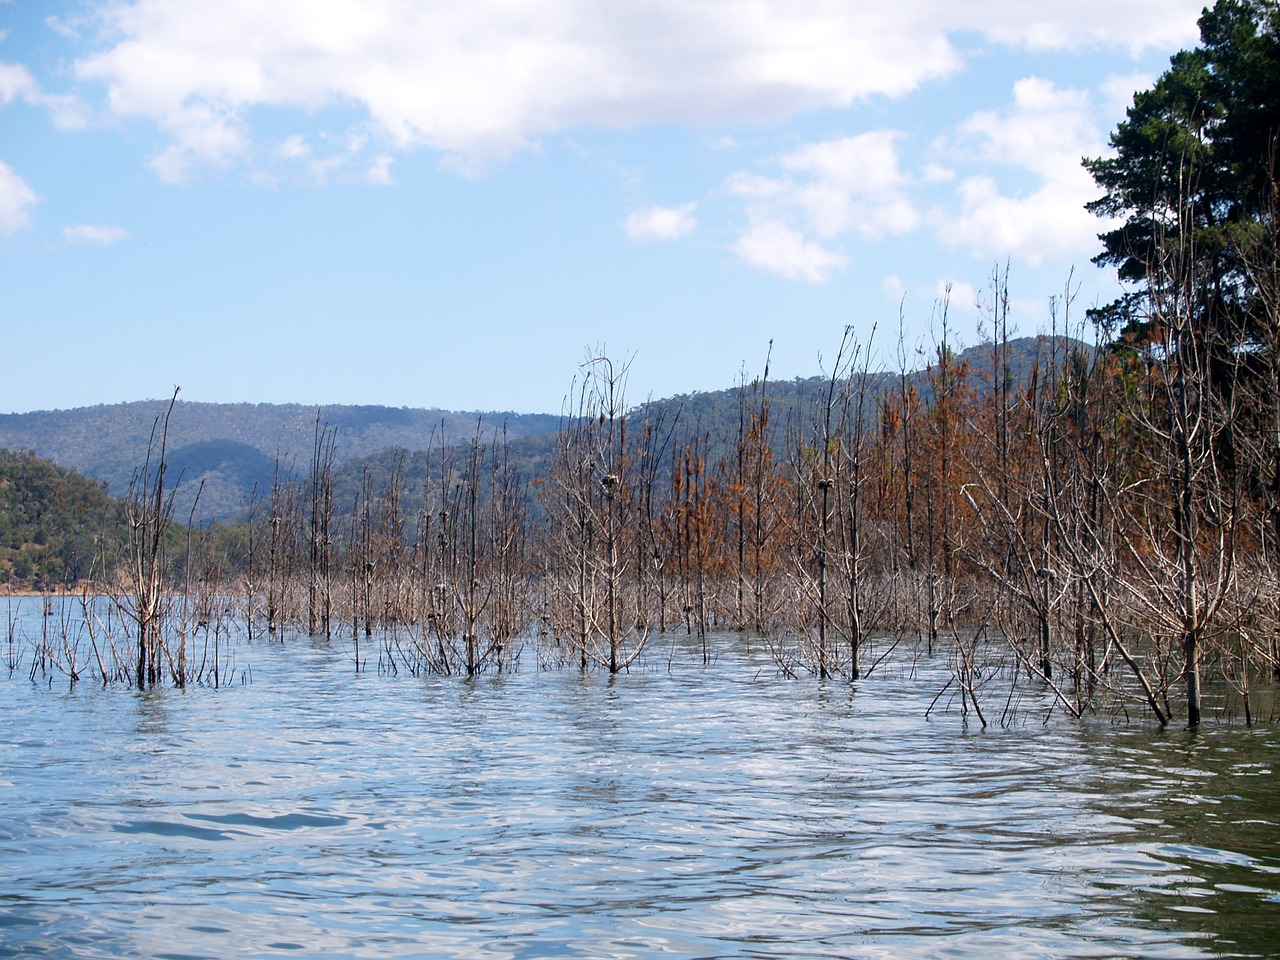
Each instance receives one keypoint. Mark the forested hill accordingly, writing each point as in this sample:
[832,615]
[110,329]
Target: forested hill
[711,417]
[54,523]
[227,450]
[231,447]
[715,413]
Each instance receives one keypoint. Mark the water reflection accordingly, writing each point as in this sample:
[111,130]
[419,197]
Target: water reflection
[684,810]
[1204,812]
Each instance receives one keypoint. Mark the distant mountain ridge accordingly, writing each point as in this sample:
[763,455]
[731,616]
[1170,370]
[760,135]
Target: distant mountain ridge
[231,447]
[712,416]
[716,412]
[226,450]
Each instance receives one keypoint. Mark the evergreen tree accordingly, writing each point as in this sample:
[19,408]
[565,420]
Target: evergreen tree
[1194,170]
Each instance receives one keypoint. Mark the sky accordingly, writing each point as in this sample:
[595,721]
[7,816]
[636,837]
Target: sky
[442,204]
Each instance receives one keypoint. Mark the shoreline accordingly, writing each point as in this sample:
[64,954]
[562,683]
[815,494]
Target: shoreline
[72,590]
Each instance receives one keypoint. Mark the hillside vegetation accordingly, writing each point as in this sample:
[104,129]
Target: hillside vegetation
[54,523]
[712,417]
[225,450]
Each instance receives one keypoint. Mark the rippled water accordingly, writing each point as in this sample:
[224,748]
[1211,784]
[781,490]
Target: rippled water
[678,810]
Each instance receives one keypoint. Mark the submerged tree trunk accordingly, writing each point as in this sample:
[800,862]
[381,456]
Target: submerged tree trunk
[149,511]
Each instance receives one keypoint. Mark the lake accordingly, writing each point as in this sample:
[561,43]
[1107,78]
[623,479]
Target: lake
[680,810]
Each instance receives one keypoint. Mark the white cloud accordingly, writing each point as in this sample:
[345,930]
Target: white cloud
[94,233]
[1044,130]
[1117,91]
[17,83]
[853,183]
[16,200]
[293,148]
[379,171]
[1135,24]
[198,138]
[65,26]
[776,247]
[482,80]
[68,112]
[826,190]
[660,223]
[956,293]
[1044,133]
[1051,222]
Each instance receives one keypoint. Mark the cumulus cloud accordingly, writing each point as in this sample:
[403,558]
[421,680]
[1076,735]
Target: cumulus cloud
[892,287]
[482,80]
[1013,178]
[775,247]
[198,138]
[1117,91]
[1045,132]
[65,26]
[1135,24]
[660,223]
[823,192]
[293,148]
[16,200]
[379,171]
[94,233]
[17,83]
[853,183]
[956,293]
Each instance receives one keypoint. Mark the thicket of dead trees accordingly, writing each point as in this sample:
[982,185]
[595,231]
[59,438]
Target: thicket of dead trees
[1103,527]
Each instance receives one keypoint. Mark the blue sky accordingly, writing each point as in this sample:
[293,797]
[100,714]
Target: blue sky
[444,205]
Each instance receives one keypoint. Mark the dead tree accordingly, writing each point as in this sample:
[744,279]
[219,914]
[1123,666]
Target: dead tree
[149,514]
[320,539]
[593,514]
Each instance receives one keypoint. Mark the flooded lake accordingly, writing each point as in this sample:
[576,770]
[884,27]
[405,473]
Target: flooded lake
[678,810]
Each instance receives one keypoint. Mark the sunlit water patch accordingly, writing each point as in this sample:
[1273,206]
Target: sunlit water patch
[678,810]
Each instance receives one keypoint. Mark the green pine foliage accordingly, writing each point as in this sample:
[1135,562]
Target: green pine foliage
[1194,171]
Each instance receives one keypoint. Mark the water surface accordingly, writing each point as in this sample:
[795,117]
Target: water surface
[679,810]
